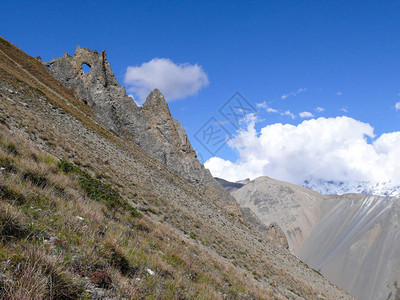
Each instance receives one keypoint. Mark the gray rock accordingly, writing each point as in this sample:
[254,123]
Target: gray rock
[276,234]
[151,127]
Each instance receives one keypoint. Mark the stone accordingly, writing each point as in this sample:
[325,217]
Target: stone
[276,234]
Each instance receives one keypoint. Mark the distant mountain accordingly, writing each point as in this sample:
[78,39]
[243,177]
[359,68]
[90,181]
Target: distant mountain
[331,187]
[231,186]
[352,239]
[294,208]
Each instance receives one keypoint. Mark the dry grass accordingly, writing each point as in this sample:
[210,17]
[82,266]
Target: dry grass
[57,242]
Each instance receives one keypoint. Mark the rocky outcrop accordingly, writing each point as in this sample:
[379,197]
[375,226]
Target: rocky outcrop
[151,126]
[276,234]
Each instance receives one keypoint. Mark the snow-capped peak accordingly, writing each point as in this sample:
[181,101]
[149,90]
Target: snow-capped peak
[329,187]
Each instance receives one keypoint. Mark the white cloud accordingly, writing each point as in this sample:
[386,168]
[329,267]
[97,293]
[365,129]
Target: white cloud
[302,90]
[319,109]
[343,109]
[288,113]
[266,107]
[262,104]
[397,106]
[175,81]
[272,110]
[306,114]
[323,148]
[339,93]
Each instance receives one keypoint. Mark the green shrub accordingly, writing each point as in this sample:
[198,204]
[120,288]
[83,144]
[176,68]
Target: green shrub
[98,190]
[67,167]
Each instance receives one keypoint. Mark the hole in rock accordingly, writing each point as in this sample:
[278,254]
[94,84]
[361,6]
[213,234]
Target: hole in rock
[85,68]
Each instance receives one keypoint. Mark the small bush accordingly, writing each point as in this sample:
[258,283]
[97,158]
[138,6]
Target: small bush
[67,167]
[99,191]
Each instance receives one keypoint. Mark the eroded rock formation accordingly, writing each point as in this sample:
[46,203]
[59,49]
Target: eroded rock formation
[151,126]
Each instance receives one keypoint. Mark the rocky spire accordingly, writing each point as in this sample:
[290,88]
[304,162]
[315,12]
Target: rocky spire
[151,127]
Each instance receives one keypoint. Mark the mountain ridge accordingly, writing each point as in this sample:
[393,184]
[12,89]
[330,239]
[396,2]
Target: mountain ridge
[181,219]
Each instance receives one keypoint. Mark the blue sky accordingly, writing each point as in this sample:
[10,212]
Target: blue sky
[342,56]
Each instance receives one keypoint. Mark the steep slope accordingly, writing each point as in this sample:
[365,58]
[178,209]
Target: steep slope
[358,240]
[295,209]
[247,264]
[352,239]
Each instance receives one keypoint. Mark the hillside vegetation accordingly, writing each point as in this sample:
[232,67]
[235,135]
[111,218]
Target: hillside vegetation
[67,234]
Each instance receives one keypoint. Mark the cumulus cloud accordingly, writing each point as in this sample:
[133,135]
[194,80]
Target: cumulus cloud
[323,148]
[397,106]
[319,109]
[175,81]
[306,114]
[293,94]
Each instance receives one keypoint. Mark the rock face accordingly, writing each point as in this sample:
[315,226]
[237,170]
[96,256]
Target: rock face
[151,127]
[276,234]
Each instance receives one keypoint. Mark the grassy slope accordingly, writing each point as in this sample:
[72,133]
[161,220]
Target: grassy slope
[60,238]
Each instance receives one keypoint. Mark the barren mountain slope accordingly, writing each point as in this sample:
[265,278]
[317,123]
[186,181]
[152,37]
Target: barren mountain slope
[358,240]
[352,239]
[38,108]
[295,209]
